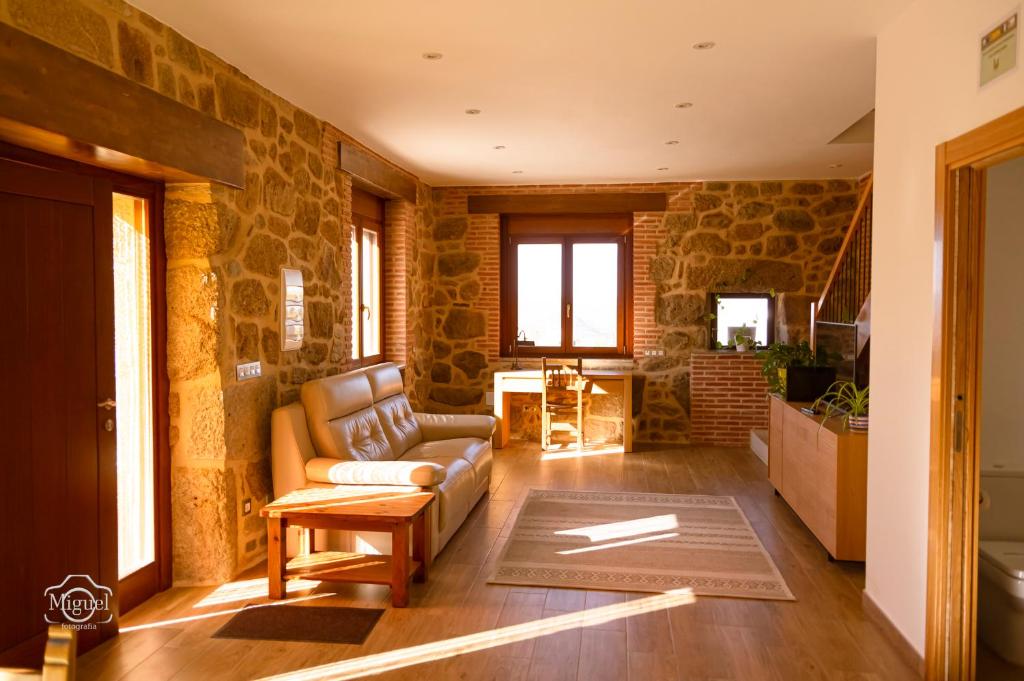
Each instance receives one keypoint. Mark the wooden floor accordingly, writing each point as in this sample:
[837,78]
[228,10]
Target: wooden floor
[823,635]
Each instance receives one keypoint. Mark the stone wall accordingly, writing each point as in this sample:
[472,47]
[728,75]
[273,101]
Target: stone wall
[225,248]
[779,236]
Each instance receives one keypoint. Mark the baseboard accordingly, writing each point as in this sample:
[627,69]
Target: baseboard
[906,651]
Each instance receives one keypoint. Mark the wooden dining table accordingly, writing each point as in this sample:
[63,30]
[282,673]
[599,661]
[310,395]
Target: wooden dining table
[605,381]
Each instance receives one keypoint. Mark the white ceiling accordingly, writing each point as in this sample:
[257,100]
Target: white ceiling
[576,90]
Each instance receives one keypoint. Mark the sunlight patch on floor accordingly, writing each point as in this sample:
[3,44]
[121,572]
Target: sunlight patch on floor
[248,589]
[218,613]
[574,453]
[626,528]
[617,544]
[371,665]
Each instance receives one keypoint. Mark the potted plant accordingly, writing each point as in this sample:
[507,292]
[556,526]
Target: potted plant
[743,342]
[844,398]
[795,372]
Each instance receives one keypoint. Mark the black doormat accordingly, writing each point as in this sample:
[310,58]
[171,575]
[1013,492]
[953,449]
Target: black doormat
[308,624]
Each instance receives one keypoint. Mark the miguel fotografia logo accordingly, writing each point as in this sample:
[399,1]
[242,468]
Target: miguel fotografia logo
[78,603]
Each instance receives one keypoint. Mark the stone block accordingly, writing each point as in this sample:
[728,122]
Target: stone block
[193,336]
[67,23]
[278,193]
[441,373]
[265,255]
[716,220]
[307,217]
[307,128]
[705,242]
[249,299]
[239,104]
[705,202]
[183,51]
[203,501]
[781,246]
[745,275]
[320,319]
[450,228]
[754,210]
[463,324]
[136,54]
[793,220]
[247,342]
[247,407]
[470,362]
[192,229]
[165,81]
[455,264]
[680,309]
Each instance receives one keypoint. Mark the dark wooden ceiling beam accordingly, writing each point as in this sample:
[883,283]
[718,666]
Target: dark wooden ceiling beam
[525,204]
[55,102]
[374,175]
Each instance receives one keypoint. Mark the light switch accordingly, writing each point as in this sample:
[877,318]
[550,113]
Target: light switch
[244,372]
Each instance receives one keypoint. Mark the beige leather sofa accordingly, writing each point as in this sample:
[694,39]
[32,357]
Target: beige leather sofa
[359,429]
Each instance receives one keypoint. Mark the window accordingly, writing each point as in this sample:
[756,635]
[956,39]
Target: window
[566,285]
[367,279]
[734,312]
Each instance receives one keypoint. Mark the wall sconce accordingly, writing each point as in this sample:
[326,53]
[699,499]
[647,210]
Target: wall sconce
[293,311]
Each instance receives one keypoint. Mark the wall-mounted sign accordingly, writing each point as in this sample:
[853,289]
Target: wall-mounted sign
[999,49]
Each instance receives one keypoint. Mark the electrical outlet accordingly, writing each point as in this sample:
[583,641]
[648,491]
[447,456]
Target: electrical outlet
[244,372]
[247,506]
[489,398]
[656,352]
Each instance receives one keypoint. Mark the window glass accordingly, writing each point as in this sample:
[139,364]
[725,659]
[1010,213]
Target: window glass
[595,295]
[742,315]
[356,311]
[371,293]
[539,295]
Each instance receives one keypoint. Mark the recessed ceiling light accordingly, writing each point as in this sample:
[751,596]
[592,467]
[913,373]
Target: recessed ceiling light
[432,56]
[671,142]
[499,147]
[706,45]
[663,168]
[472,112]
[835,165]
[684,105]
[517,172]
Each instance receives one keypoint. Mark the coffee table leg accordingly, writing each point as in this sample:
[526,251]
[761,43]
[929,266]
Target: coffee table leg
[421,544]
[277,558]
[400,565]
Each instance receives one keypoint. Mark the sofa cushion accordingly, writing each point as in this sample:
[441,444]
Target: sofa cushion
[400,426]
[421,473]
[341,419]
[385,380]
[448,426]
[474,451]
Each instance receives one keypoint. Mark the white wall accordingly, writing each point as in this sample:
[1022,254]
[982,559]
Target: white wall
[926,93]
[1002,384]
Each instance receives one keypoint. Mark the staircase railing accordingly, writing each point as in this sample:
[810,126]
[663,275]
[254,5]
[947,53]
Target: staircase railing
[848,288]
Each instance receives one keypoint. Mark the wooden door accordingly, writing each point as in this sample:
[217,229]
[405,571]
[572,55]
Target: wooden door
[58,502]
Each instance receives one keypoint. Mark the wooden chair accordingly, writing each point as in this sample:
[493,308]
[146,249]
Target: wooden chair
[58,659]
[562,400]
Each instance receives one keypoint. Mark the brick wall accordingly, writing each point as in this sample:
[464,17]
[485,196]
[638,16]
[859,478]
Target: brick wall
[728,397]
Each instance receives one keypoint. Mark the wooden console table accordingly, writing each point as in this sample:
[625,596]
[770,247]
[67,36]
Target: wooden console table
[529,381]
[821,471]
[351,509]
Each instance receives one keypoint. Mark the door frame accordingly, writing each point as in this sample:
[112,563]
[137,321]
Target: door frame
[951,618]
[153,192]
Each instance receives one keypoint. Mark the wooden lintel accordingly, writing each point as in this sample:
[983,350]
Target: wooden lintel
[374,175]
[61,104]
[612,202]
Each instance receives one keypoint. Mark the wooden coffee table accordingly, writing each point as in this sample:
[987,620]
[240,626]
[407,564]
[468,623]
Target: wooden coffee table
[361,510]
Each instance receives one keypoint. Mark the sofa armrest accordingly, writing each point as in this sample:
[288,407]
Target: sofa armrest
[450,426]
[422,474]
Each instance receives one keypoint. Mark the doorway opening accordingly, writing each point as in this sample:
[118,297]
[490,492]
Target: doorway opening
[964,553]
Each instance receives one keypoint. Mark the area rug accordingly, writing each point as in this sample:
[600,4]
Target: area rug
[624,541]
[310,624]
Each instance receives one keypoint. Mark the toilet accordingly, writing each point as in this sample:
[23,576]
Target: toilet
[1001,563]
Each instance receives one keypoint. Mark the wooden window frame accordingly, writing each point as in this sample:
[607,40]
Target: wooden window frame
[368,214]
[712,309]
[567,230]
